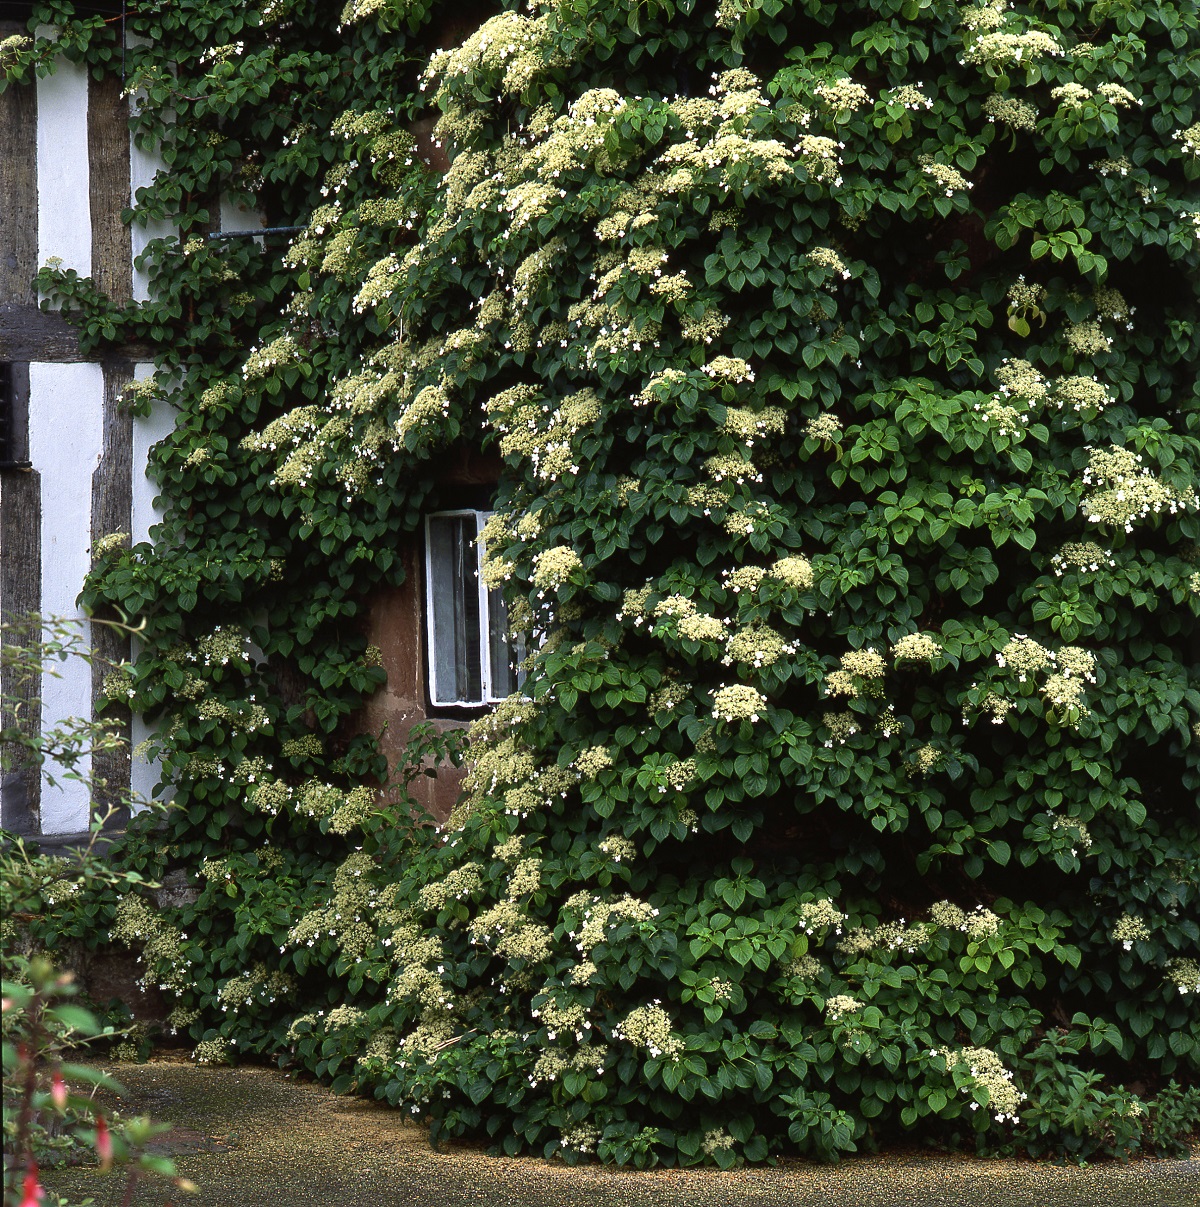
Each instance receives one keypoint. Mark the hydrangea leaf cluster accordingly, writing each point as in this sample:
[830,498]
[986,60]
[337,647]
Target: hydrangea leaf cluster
[842,362]
[813,379]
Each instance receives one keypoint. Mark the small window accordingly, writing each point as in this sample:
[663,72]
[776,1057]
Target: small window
[8,417]
[14,415]
[473,658]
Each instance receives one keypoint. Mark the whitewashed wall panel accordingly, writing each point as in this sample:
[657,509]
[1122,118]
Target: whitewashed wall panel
[64,212]
[66,407]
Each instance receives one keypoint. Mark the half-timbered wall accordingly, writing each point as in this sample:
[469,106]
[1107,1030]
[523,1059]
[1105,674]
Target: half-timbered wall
[75,464]
[76,467]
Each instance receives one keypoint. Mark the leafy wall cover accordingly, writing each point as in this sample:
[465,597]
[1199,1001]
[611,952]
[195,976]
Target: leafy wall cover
[843,361]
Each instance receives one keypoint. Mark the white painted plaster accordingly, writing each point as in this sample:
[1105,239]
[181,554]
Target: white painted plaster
[144,774]
[143,164]
[147,432]
[66,435]
[236,217]
[142,167]
[64,210]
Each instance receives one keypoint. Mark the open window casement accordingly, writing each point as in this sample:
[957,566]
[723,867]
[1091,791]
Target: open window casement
[472,656]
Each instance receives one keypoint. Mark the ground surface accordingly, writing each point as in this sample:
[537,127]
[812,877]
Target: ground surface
[249,1137]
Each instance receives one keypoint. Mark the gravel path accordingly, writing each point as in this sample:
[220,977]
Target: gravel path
[249,1137]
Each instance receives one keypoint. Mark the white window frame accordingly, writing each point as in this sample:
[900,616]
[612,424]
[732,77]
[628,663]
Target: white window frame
[484,652]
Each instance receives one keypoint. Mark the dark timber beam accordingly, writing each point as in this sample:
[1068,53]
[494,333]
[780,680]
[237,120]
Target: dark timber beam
[112,511]
[108,187]
[20,490]
[18,189]
[20,595]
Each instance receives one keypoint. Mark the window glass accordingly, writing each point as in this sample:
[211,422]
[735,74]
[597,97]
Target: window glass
[505,653]
[453,566]
[473,659]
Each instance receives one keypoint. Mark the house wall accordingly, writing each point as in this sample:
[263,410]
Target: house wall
[395,621]
[68,166]
[396,624]
[66,172]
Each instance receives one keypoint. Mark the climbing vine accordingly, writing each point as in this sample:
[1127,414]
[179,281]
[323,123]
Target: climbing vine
[842,360]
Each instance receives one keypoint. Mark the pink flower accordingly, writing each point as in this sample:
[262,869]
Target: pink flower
[31,1192]
[58,1091]
[104,1146]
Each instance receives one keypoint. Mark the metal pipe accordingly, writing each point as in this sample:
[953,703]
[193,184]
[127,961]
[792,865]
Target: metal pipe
[252,234]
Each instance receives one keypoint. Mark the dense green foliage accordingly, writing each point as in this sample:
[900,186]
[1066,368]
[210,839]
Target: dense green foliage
[50,1115]
[843,361]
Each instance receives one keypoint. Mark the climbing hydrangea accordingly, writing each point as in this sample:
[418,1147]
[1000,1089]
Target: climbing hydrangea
[833,413]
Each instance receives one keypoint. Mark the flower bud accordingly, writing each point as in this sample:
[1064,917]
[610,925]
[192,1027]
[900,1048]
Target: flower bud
[104,1145]
[31,1192]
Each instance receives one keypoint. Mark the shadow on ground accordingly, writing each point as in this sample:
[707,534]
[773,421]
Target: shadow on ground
[249,1137]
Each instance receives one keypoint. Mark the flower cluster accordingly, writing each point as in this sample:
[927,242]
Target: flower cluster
[1128,930]
[553,567]
[842,94]
[1018,378]
[1084,556]
[841,1004]
[980,923]
[213,1052]
[926,758]
[592,761]
[743,578]
[618,848]
[1087,339]
[1065,695]
[598,916]
[11,49]
[462,883]
[1023,656]
[910,97]
[821,159]
[262,362]
[987,1072]
[947,178]
[715,1140]
[1005,50]
[509,932]
[917,647]
[827,428]
[814,916]
[1189,139]
[581,1139]
[804,968]
[1084,395]
[553,1062]
[887,937]
[650,1027]
[58,891]
[1075,830]
[1125,490]
[1184,974]
[841,726]
[795,572]
[136,923]
[738,702]
[758,645]
[1011,112]
[858,671]
[114,542]
[729,369]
